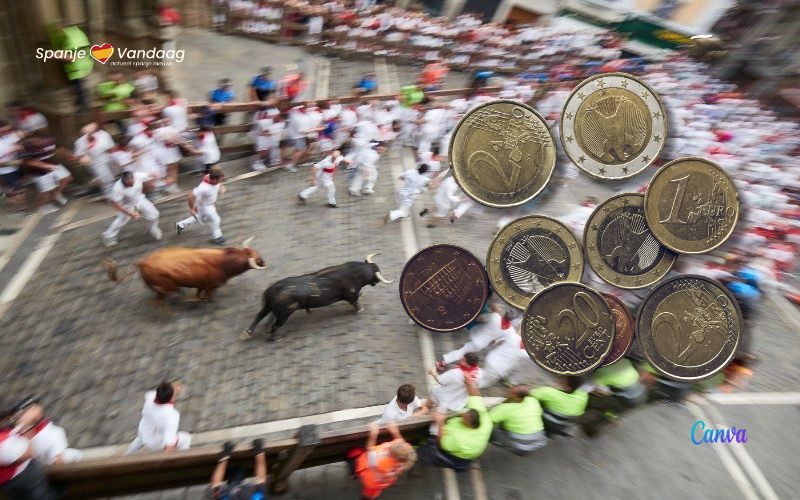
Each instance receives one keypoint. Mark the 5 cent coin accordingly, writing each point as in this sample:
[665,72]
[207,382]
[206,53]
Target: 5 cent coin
[691,205]
[689,327]
[613,126]
[443,288]
[623,330]
[530,254]
[620,247]
[568,329]
[502,153]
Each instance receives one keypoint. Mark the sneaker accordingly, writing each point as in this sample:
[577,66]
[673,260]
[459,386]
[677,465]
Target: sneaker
[219,241]
[386,219]
[290,168]
[353,193]
[367,191]
[258,166]
[172,189]
[430,226]
[178,228]
[47,209]
[59,198]
[109,242]
[157,234]
[333,205]
[301,199]
[424,212]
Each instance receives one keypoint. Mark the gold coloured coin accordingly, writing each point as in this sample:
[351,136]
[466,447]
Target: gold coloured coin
[568,329]
[530,254]
[620,247]
[691,205]
[613,126]
[502,153]
[689,327]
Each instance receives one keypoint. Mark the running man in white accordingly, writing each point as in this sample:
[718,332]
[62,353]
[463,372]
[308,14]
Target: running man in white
[202,202]
[93,149]
[128,199]
[490,328]
[415,183]
[322,174]
[158,427]
[266,132]
[505,358]
[366,161]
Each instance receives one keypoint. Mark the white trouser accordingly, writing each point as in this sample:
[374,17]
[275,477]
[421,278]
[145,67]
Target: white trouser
[364,180]
[149,213]
[325,180]
[443,206]
[470,346]
[492,371]
[425,143]
[463,207]
[184,441]
[406,200]
[205,215]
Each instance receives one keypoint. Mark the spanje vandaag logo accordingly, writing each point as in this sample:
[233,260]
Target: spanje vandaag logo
[115,56]
[703,433]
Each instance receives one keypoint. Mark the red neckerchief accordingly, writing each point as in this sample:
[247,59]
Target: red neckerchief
[25,113]
[36,429]
[92,140]
[202,135]
[207,179]
[148,132]
[470,372]
[171,402]
[173,102]
[505,323]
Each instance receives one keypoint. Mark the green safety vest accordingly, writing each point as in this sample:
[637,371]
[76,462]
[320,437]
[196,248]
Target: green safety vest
[117,93]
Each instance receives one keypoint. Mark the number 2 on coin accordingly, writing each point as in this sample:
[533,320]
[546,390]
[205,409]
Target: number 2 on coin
[577,315]
[483,156]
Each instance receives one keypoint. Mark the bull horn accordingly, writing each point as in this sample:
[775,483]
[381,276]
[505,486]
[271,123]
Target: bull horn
[246,243]
[370,256]
[381,278]
[253,265]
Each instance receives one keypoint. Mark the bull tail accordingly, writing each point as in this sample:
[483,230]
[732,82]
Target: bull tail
[112,270]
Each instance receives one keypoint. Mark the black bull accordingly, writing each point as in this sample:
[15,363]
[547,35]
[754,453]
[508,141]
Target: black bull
[317,289]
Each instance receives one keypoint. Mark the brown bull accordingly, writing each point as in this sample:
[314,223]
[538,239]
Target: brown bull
[206,269]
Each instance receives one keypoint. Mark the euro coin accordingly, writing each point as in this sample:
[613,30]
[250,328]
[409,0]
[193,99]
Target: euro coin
[691,205]
[443,288]
[568,329]
[502,153]
[689,327]
[623,330]
[530,254]
[620,247]
[613,126]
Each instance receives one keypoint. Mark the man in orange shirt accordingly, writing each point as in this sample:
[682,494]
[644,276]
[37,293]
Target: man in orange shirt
[379,466]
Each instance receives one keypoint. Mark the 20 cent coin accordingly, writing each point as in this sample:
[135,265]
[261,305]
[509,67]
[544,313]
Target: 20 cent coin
[620,247]
[613,126]
[530,254]
[502,153]
[691,205]
[689,327]
[568,329]
[443,288]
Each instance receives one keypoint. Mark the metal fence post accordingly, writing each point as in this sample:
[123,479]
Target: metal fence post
[308,439]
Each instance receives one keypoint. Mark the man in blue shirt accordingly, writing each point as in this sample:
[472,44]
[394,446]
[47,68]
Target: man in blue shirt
[222,94]
[367,84]
[262,85]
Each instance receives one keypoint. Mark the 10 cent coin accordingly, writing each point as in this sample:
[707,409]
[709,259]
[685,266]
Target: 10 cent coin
[691,205]
[502,153]
[568,329]
[613,126]
[689,327]
[620,247]
[443,288]
[623,330]
[530,254]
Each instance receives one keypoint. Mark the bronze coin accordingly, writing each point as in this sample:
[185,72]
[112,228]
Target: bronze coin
[568,329]
[689,327]
[443,288]
[623,330]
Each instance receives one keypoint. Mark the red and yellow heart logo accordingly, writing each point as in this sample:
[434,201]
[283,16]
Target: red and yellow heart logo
[102,53]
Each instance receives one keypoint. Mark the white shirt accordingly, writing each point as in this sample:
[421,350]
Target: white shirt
[207,144]
[126,196]
[488,330]
[328,162]
[205,194]
[367,130]
[297,125]
[158,427]
[34,121]
[448,192]
[367,157]
[508,350]
[178,114]
[393,412]
[7,153]
[12,448]
[415,183]
[49,443]
[451,393]
[122,158]
[99,151]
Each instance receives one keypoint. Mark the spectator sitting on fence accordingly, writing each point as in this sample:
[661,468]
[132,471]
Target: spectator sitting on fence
[404,405]
[461,439]
[48,440]
[222,94]
[26,118]
[262,86]
[379,466]
[229,483]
